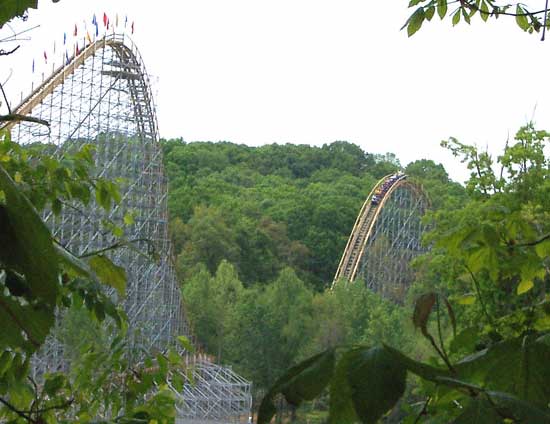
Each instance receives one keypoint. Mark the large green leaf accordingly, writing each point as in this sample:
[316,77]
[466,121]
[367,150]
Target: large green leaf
[309,383]
[27,253]
[109,273]
[26,243]
[519,367]
[422,370]
[377,381]
[25,325]
[341,409]
[478,411]
[524,412]
[304,381]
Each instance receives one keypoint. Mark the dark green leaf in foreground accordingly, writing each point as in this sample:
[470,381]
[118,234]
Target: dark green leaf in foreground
[377,381]
[341,409]
[304,381]
[24,325]
[519,367]
[27,254]
[478,411]
[420,369]
[26,243]
[524,412]
[309,383]
[109,273]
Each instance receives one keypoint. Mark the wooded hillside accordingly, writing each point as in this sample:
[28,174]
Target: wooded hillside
[275,206]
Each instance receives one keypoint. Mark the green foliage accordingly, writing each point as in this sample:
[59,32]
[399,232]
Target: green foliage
[28,270]
[526,19]
[303,382]
[271,328]
[109,273]
[15,8]
[368,381]
[103,381]
[377,381]
[210,305]
[267,208]
[40,279]
[481,303]
[32,265]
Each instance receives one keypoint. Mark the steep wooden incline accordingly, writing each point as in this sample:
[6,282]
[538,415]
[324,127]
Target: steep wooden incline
[363,226]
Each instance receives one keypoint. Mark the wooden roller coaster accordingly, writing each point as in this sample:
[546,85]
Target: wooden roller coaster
[391,215]
[102,96]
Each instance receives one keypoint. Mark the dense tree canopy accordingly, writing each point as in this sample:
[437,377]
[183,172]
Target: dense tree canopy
[271,207]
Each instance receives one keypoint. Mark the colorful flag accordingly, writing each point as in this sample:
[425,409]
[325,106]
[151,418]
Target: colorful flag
[75,30]
[104,19]
[116,20]
[125,21]
[88,37]
[132,27]
[45,57]
[77,49]
[94,20]
[108,22]
[96,30]
[33,66]
[64,38]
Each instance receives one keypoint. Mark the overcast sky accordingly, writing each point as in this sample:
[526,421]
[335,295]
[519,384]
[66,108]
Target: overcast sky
[315,71]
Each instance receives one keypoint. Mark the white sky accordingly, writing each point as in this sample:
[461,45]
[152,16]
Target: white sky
[315,71]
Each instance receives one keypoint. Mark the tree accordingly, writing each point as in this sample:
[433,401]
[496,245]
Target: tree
[271,327]
[433,177]
[210,304]
[352,314]
[208,239]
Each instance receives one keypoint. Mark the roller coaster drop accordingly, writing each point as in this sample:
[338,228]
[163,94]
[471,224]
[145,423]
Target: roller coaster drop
[102,96]
[386,237]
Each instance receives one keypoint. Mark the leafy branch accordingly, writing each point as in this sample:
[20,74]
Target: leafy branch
[527,20]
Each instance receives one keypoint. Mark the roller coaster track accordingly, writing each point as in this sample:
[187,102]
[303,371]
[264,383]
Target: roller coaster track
[364,227]
[102,96]
[129,59]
